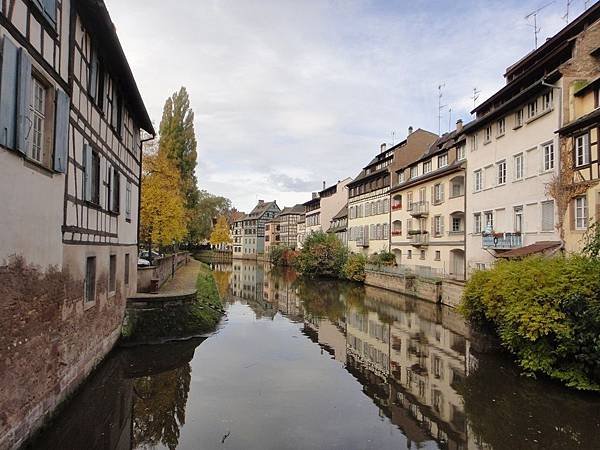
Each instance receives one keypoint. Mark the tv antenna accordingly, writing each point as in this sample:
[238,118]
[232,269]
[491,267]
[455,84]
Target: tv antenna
[534,14]
[566,16]
[475,96]
[449,119]
[440,106]
[393,138]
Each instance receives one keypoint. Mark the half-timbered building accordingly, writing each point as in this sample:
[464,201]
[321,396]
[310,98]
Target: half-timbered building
[71,118]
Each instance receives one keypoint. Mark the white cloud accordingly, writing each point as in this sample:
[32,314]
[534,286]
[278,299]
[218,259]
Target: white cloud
[288,93]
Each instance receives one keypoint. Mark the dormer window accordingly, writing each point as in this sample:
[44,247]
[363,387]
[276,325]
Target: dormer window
[500,127]
[547,99]
[532,109]
[414,171]
[427,167]
[443,160]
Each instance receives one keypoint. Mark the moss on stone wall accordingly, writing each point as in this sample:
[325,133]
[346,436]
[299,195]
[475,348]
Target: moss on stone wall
[176,320]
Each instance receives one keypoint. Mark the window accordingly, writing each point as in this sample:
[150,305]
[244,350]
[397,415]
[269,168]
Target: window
[519,169]
[500,127]
[456,225]
[90,279]
[547,101]
[92,176]
[548,150]
[478,180]
[112,274]
[128,201]
[582,150]
[532,109]
[548,216]
[114,191]
[422,254]
[438,225]
[473,142]
[386,231]
[401,176]
[386,205]
[414,171]
[477,223]
[438,255]
[489,220]
[427,166]
[443,160]
[409,256]
[581,213]
[519,118]
[438,193]
[48,9]
[518,211]
[501,172]
[487,134]
[460,152]
[38,119]
[368,209]
[126,269]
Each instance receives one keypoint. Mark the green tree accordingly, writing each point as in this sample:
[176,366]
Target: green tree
[163,218]
[178,142]
[323,254]
[220,234]
[208,207]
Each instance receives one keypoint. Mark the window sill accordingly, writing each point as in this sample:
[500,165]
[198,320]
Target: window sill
[583,166]
[518,180]
[88,305]
[36,165]
[500,136]
[487,142]
[539,115]
[516,127]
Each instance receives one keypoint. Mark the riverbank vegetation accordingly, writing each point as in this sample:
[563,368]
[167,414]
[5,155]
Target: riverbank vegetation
[546,312]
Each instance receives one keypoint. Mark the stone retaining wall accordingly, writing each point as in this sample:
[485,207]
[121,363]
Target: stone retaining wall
[447,292]
[163,269]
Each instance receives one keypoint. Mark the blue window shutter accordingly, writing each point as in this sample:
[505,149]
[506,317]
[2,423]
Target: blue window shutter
[87,173]
[50,9]
[24,123]
[61,132]
[93,87]
[8,89]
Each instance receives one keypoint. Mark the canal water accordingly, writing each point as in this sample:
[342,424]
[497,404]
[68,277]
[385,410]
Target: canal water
[321,365]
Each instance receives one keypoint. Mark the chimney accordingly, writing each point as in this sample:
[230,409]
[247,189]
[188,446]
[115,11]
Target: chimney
[383,147]
[324,185]
[315,195]
[459,125]
[410,130]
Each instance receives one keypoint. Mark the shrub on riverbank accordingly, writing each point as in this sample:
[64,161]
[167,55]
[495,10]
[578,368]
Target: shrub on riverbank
[282,256]
[546,311]
[322,254]
[354,268]
[382,259]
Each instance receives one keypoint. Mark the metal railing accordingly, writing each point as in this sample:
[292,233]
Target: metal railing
[420,239]
[502,241]
[406,270]
[418,208]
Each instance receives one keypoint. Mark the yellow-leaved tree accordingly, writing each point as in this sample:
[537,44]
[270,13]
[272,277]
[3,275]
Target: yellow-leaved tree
[220,234]
[163,215]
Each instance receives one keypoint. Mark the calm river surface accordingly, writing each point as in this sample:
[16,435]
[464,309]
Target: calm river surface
[321,365]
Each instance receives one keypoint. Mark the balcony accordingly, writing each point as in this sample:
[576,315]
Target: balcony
[502,241]
[418,209]
[419,239]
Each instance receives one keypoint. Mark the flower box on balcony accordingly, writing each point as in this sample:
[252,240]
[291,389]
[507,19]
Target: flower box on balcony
[414,232]
[396,233]
[396,207]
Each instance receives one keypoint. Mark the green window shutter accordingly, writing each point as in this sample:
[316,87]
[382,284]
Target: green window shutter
[87,173]
[61,136]
[8,89]
[24,124]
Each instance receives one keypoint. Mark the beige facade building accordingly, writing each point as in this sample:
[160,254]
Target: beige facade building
[369,194]
[323,205]
[339,225]
[514,151]
[428,205]
[70,160]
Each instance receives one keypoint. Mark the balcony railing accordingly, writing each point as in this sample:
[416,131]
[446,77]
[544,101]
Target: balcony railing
[417,209]
[420,239]
[361,242]
[502,241]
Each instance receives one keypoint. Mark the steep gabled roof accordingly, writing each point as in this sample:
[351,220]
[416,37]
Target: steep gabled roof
[261,208]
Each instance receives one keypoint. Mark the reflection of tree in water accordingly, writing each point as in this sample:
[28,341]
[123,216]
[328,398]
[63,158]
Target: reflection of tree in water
[159,407]
[322,298]
[222,280]
[508,411]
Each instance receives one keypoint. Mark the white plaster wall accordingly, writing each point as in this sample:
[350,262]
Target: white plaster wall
[529,192]
[31,212]
[330,206]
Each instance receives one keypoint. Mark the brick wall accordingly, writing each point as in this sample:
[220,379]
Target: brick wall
[49,342]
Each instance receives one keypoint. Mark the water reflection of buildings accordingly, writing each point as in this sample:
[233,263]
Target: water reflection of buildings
[409,361]
[247,286]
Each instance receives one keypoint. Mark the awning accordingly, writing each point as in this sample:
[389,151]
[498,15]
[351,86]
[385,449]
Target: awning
[542,247]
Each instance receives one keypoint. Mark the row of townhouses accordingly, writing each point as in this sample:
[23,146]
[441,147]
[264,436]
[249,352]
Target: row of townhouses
[71,124]
[520,178]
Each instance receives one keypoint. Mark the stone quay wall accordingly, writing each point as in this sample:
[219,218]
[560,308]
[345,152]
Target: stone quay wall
[163,270]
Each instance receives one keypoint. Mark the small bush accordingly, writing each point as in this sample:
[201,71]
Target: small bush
[383,259]
[354,269]
[546,312]
[322,255]
[282,256]
[591,248]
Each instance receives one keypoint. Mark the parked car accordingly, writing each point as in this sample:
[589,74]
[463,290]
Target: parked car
[146,255]
[143,262]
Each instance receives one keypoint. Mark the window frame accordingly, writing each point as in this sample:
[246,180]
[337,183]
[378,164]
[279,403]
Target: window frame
[516,158]
[584,208]
[478,180]
[501,173]
[586,150]
[548,163]
[89,282]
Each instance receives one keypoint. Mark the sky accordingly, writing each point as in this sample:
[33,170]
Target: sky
[290,93]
